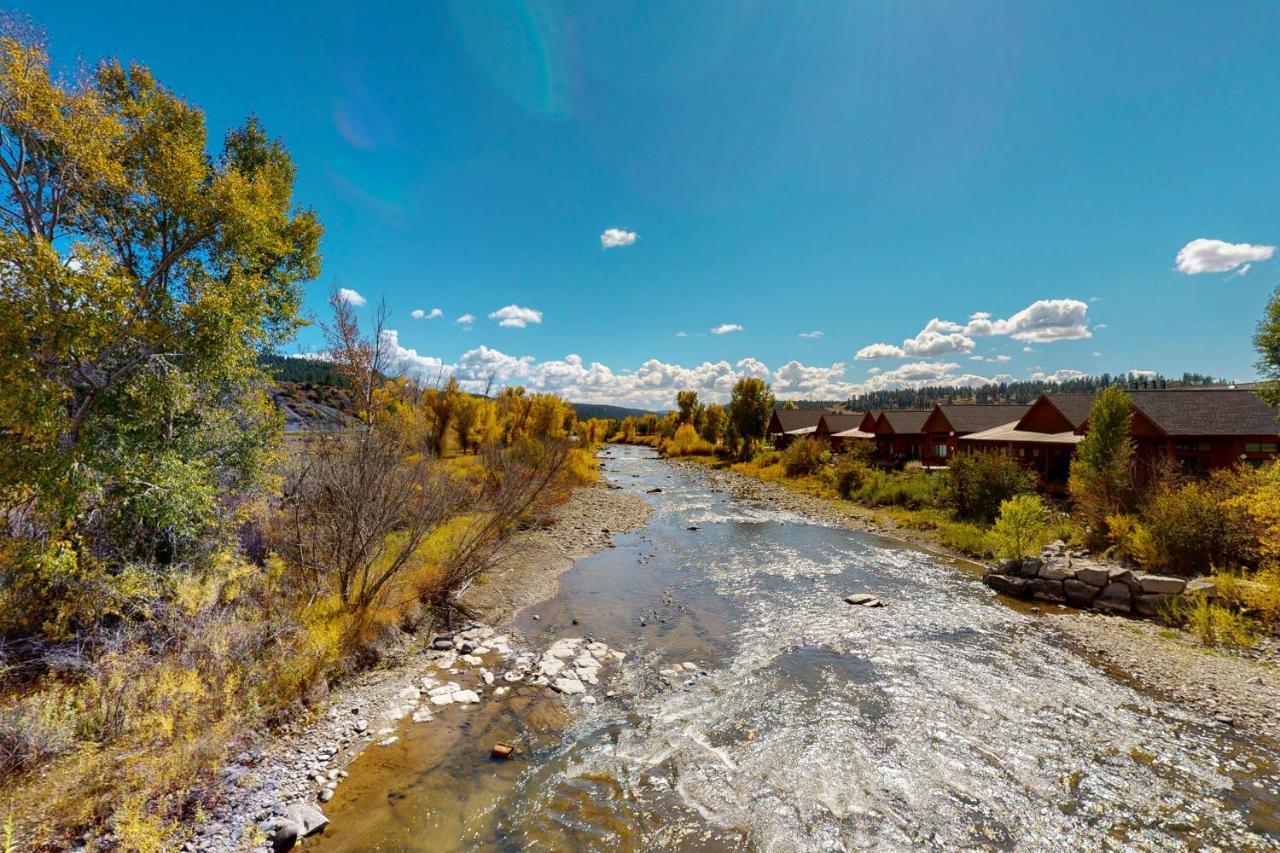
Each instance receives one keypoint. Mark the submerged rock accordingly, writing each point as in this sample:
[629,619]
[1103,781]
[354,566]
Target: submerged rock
[864,599]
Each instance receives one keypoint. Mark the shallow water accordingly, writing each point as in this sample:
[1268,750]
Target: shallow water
[943,720]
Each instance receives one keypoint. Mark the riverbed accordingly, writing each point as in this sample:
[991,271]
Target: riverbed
[944,719]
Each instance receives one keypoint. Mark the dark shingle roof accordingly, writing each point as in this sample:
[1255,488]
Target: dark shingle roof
[797,418]
[1074,406]
[1207,411]
[840,423]
[966,419]
[906,420]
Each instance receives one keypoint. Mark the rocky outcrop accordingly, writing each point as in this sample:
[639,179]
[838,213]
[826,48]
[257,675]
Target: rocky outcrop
[1065,576]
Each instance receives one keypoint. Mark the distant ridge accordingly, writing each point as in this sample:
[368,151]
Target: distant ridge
[601,410]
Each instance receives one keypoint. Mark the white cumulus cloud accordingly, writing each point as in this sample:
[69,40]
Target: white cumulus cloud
[419,314]
[614,238]
[351,297]
[1204,255]
[515,316]
[726,328]
[1062,375]
[466,319]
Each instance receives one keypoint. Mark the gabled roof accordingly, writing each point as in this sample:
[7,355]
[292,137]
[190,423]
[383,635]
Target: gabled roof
[1206,411]
[834,423]
[853,433]
[789,419]
[1075,407]
[902,421]
[966,419]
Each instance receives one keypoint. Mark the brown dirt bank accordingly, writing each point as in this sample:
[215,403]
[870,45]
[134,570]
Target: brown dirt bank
[1239,688]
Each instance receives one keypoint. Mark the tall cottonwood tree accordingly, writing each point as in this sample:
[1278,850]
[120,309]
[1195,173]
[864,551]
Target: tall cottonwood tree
[750,407]
[140,278]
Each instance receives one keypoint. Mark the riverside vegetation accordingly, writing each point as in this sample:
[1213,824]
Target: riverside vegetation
[985,505]
[177,579]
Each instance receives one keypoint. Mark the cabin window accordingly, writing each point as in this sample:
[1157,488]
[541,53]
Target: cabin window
[1260,446]
[939,451]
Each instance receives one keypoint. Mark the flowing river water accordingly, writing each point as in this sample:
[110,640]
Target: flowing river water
[945,719]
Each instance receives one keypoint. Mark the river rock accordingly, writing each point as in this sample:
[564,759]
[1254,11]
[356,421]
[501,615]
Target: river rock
[568,685]
[864,599]
[309,818]
[1161,584]
[442,699]
[466,697]
[1114,598]
[442,645]
[551,667]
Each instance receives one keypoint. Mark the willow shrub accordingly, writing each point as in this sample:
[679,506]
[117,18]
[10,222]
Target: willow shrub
[976,484]
[1020,528]
[685,442]
[805,456]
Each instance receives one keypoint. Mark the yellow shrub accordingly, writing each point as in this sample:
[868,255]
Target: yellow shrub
[685,442]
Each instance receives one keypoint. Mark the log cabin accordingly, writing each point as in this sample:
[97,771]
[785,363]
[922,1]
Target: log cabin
[838,429]
[786,425]
[900,434]
[948,423]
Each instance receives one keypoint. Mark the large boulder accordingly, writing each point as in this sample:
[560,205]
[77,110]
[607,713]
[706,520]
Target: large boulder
[1047,590]
[1079,593]
[309,816]
[1091,573]
[1008,585]
[1029,567]
[286,836]
[1204,587]
[1057,570]
[1115,598]
[1160,584]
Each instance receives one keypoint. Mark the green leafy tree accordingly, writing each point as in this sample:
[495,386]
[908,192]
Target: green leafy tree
[688,406]
[142,278]
[713,422]
[1101,481]
[1267,343]
[750,407]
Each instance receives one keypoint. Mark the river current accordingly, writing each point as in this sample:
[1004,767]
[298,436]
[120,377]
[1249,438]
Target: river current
[944,720]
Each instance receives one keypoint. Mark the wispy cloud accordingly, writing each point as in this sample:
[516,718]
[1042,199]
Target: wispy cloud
[814,334]
[1204,255]
[726,328]
[682,334]
[419,314]
[351,297]
[466,319]
[615,238]
[515,316]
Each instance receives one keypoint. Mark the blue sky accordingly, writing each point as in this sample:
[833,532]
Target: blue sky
[876,172]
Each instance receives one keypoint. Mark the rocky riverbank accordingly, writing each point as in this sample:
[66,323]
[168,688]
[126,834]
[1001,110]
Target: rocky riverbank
[1240,689]
[276,789]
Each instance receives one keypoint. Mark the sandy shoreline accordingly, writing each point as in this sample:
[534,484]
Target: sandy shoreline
[296,764]
[1239,689]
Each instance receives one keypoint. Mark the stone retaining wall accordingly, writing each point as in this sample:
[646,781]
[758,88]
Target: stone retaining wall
[1074,578]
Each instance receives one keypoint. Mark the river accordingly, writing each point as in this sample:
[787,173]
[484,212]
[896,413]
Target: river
[943,720]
